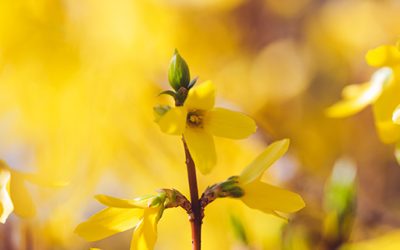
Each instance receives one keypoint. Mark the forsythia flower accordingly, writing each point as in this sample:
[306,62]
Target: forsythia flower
[6,205]
[382,91]
[141,213]
[396,115]
[14,196]
[262,196]
[253,191]
[197,120]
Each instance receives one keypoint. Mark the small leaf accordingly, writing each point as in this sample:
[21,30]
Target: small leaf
[168,92]
[193,82]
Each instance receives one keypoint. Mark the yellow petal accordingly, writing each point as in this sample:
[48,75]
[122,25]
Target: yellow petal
[107,222]
[6,205]
[354,90]
[230,124]
[396,115]
[257,167]
[385,55]
[267,198]
[202,149]
[141,202]
[174,121]
[201,97]
[23,203]
[145,234]
[358,97]
[388,131]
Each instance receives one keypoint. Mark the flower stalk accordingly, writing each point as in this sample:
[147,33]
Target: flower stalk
[196,218]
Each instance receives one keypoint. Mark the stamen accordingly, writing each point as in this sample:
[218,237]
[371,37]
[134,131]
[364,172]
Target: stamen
[195,119]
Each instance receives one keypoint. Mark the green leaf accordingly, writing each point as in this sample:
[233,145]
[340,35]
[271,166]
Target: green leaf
[340,200]
[238,229]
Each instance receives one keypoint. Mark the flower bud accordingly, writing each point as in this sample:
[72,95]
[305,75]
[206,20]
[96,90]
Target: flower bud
[178,73]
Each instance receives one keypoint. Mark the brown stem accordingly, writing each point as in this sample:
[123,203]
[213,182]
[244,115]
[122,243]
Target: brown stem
[196,215]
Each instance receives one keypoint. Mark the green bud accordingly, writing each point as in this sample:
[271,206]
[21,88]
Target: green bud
[178,73]
[231,188]
[155,202]
[236,192]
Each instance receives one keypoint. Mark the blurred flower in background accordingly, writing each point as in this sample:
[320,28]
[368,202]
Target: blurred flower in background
[78,80]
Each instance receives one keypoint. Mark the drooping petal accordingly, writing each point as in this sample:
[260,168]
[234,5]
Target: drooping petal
[386,55]
[173,121]
[107,222]
[201,97]
[388,131]
[23,203]
[357,97]
[202,149]
[145,234]
[396,115]
[267,198]
[6,205]
[230,124]
[257,167]
[140,202]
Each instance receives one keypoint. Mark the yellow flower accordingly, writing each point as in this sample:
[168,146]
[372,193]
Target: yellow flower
[14,196]
[382,91]
[197,120]
[255,193]
[6,205]
[396,115]
[358,96]
[142,214]
[262,196]
[385,55]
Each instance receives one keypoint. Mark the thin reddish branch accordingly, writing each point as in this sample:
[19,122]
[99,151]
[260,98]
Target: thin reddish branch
[196,215]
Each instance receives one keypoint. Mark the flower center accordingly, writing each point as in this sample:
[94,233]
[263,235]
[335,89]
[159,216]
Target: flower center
[195,119]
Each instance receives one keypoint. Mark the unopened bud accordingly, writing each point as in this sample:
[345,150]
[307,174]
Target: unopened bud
[178,73]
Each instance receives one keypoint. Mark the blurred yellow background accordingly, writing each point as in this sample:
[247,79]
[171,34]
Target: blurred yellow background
[78,80]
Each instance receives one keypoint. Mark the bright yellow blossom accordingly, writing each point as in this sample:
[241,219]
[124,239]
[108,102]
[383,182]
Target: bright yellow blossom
[120,215]
[197,120]
[14,196]
[6,205]
[396,115]
[262,196]
[255,193]
[382,91]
